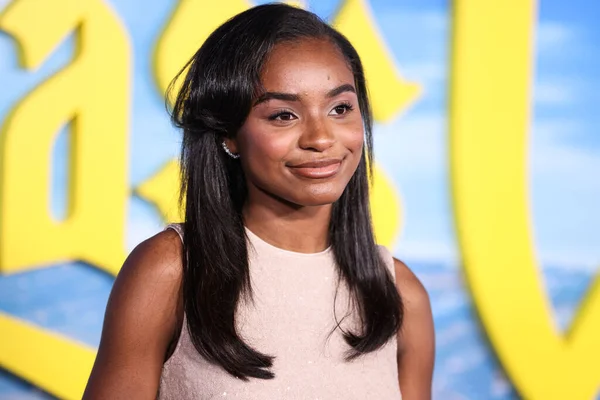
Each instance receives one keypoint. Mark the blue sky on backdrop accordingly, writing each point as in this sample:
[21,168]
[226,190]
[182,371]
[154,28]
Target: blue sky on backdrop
[565,145]
[564,169]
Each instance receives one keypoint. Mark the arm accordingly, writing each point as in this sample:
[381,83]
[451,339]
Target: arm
[143,314]
[416,343]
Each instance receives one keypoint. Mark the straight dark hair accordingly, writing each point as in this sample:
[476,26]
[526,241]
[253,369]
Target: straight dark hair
[215,99]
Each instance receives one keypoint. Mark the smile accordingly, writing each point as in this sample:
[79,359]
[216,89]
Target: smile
[317,169]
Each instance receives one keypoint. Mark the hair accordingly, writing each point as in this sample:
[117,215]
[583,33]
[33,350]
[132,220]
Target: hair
[215,99]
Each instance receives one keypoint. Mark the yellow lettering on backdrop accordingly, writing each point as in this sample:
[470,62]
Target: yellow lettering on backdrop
[191,24]
[490,114]
[51,362]
[92,91]
[163,190]
[390,93]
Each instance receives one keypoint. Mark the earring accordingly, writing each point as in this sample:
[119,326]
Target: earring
[229,153]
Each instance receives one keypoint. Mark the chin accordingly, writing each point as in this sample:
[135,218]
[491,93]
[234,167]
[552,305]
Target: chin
[318,201]
[312,197]
[305,194]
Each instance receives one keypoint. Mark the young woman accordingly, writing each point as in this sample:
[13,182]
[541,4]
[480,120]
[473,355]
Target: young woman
[273,287]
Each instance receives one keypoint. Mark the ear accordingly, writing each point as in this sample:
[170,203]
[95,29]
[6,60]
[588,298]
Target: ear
[231,146]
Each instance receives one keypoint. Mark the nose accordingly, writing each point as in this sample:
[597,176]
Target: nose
[317,135]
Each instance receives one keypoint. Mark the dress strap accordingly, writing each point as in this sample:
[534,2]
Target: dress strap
[388,259]
[177,228]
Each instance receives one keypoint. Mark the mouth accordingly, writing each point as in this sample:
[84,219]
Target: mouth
[319,169]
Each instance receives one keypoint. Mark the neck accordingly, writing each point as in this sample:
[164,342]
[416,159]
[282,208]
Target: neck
[293,228]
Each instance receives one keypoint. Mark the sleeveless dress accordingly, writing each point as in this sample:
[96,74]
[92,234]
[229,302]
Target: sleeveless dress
[291,318]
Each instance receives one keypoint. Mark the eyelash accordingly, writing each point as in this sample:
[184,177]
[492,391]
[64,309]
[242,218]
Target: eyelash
[346,105]
[279,113]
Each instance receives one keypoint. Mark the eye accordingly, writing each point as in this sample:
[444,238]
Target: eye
[341,109]
[282,115]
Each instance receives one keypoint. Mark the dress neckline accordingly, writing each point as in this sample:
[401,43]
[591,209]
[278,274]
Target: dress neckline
[255,239]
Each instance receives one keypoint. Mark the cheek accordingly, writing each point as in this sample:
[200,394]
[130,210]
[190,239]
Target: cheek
[263,151]
[357,141]
[266,148]
[353,138]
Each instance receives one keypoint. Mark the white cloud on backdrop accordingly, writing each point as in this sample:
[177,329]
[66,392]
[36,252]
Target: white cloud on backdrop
[412,147]
[430,21]
[442,251]
[565,193]
[415,36]
[413,143]
[553,93]
[565,188]
[426,74]
[551,155]
[551,36]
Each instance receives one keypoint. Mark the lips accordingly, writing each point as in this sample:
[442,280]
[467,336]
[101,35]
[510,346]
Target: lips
[318,169]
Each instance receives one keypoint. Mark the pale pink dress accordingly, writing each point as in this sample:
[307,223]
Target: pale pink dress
[291,318]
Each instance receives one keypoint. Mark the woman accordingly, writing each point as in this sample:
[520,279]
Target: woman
[273,288]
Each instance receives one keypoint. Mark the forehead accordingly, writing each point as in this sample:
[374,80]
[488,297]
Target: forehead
[305,63]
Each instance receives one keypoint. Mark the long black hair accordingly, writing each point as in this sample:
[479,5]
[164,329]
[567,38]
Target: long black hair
[214,100]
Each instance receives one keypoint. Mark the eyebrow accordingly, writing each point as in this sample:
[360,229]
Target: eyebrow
[341,89]
[294,97]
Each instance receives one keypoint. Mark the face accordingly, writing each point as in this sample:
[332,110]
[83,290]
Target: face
[303,138]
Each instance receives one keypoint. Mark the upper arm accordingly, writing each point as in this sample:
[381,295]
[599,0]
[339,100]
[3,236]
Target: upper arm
[142,315]
[416,343]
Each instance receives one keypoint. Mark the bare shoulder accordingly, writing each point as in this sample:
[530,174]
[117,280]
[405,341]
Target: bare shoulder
[418,319]
[142,317]
[158,259]
[150,282]
[410,287]
[416,338]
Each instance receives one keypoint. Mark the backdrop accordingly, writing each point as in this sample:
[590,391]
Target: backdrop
[487,176]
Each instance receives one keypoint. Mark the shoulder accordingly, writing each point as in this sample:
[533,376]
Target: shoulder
[151,275]
[142,318]
[410,287]
[150,280]
[418,319]
[416,338]
[159,257]
[413,293]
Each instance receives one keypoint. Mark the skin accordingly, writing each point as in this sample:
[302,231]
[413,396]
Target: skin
[284,208]
[308,114]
